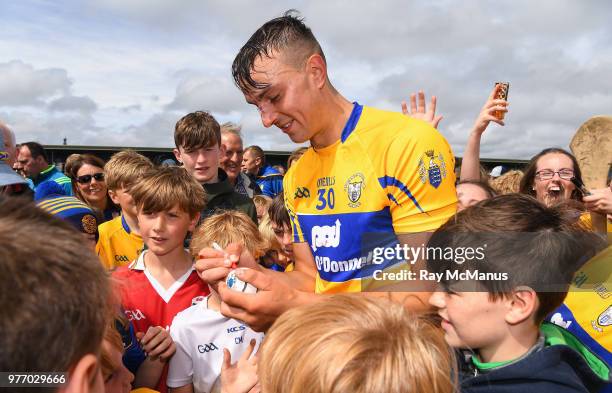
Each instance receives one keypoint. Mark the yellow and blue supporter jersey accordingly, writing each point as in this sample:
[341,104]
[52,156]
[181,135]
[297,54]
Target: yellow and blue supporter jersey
[388,174]
[587,309]
[117,244]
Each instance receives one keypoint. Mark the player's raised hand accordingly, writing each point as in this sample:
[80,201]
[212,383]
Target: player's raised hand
[157,343]
[487,113]
[240,377]
[418,109]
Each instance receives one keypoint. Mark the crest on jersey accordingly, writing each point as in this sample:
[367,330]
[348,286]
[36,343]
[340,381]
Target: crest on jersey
[354,187]
[605,318]
[432,168]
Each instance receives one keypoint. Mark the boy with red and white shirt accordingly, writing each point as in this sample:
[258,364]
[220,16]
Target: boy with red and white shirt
[162,281]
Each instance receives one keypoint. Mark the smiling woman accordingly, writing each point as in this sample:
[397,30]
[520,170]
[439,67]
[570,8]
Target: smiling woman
[87,175]
[548,177]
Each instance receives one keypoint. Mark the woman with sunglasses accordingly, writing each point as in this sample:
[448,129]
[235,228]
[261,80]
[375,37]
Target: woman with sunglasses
[87,174]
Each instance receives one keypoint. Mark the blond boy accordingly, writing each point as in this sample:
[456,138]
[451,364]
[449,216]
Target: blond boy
[201,333]
[120,241]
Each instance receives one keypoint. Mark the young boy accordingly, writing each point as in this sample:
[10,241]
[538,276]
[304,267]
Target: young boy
[162,281]
[525,255]
[201,333]
[281,225]
[54,300]
[198,148]
[120,240]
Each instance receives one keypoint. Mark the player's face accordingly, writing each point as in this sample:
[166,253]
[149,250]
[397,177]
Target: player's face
[231,161]
[556,189]
[93,191]
[287,102]
[284,238]
[470,319]
[165,231]
[202,163]
[469,194]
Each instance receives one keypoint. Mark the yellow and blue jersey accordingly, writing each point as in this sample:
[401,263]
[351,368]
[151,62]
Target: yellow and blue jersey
[387,174]
[117,244]
[587,309]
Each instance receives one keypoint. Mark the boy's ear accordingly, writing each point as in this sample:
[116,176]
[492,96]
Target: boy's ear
[113,197]
[86,377]
[522,304]
[177,155]
[194,222]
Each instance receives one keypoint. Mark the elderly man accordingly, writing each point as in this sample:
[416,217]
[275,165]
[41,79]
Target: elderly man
[231,161]
[33,158]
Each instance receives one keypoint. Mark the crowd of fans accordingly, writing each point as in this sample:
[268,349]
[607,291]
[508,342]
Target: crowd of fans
[146,293]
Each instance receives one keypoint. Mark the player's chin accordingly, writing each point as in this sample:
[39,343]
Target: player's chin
[298,138]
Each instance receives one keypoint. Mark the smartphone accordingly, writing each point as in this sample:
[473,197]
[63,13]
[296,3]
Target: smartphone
[502,94]
[580,186]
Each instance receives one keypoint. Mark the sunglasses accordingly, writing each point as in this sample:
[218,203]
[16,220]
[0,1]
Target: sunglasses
[87,178]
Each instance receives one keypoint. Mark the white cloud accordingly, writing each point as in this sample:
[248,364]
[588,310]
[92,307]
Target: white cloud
[127,70]
[73,104]
[23,85]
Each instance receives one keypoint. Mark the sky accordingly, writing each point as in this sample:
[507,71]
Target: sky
[122,72]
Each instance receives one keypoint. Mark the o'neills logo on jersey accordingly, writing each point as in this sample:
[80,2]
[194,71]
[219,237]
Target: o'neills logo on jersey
[353,187]
[134,315]
[432,168]
[325,236]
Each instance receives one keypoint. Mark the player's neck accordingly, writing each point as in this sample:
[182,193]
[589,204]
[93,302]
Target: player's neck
[336,110]
[176,263]
[132,223]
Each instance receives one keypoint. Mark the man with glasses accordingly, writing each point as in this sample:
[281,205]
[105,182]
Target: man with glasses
[33,158]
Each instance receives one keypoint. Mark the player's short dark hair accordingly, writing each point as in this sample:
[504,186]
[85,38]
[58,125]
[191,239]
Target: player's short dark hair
[278,212]
[55,292]
[536,246]
[36,150]
[278,34]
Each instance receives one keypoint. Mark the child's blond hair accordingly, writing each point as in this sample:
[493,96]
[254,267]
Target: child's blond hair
[262,202]
[125,168]
[355,344]
[225,227]
[162,188]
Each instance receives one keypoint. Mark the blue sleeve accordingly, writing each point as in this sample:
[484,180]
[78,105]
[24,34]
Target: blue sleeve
[272,186]
[133,355]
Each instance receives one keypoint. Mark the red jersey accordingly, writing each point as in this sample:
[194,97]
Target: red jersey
[147,303]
